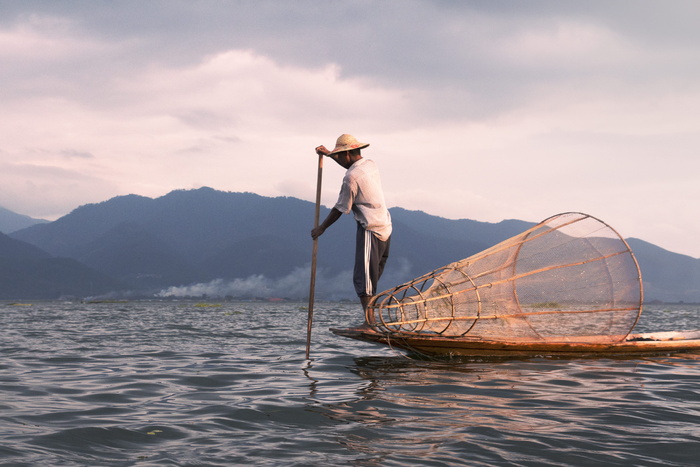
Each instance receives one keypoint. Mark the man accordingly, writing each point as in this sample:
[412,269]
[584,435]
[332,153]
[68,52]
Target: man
[361,193]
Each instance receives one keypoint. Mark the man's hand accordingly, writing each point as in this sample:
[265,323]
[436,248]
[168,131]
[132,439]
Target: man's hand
[317,232]
[322,151]
[333,216]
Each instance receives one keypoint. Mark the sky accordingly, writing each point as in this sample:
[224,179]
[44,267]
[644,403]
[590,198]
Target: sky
[484,110]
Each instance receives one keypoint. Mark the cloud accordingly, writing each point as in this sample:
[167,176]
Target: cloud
[215,114]
[483,110]
[49,191]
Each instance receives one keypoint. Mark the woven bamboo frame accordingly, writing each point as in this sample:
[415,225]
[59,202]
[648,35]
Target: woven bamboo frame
[570,278]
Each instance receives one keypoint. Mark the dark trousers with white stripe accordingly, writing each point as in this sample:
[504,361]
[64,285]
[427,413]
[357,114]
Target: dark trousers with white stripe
[370,257]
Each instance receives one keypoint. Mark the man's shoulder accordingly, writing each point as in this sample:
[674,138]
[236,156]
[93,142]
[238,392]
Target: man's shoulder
[362,166]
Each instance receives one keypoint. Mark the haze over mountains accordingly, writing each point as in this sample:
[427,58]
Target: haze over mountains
[11,221]
[218,244]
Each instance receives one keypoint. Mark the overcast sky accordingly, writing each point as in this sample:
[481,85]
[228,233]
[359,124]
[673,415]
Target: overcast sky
[483,110]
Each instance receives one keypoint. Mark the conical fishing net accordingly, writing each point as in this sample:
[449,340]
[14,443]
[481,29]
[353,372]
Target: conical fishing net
[570,278]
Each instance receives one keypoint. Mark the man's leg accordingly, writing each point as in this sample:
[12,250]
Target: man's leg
[370,257]
[364,300]
[361,275]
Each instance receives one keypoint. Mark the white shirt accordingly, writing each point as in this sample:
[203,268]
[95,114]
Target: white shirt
[362,194]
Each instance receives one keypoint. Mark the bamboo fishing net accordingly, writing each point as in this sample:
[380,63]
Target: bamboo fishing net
[570,278]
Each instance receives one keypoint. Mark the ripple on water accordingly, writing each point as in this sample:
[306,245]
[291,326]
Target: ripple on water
[170,384]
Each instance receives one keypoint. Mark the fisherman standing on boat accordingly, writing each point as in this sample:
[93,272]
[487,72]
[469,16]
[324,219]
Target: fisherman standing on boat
[361,193]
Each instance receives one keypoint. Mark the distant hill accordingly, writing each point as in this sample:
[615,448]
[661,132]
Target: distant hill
[208,242]
[11,221]
[667,276]
[182,237]
[28,272]
[201,235]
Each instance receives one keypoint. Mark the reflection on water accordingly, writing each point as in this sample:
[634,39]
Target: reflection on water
[576,412]
[180,384]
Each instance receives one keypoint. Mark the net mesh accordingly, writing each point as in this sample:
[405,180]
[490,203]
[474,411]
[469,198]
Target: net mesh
[570,278]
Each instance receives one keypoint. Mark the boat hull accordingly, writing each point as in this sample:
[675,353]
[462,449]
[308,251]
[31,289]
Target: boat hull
[635,344]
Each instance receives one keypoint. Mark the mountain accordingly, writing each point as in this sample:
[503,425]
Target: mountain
[138,257]
[29,272]
[667,276]
[430,242]
[201,235]
[244,244]
[11,221]
[183,237]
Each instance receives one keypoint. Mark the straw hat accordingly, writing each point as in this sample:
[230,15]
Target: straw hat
[347,143]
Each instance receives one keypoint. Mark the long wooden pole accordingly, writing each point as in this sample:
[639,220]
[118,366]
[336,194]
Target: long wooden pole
[314,254]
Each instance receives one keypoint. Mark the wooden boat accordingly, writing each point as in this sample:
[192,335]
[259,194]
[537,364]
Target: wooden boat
[569,285]
[435,345]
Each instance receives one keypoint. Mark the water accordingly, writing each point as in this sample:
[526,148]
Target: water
[177,383]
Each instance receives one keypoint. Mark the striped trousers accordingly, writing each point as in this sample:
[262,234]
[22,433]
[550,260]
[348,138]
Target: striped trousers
[370,257]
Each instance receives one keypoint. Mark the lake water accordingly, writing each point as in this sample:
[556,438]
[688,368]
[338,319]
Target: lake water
[182,383]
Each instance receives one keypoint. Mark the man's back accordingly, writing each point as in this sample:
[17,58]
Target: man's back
[362,193]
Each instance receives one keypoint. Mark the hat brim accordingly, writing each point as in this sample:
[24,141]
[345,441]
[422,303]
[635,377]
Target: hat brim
[338,149]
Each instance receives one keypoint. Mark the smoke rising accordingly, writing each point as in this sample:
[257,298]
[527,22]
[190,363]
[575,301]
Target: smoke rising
[294,286]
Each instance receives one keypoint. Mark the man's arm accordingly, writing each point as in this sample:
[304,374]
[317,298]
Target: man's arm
[333,216]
